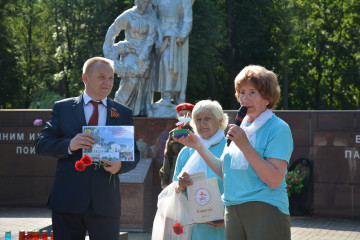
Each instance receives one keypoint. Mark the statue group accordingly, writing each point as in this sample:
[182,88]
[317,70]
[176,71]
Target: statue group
[153,57]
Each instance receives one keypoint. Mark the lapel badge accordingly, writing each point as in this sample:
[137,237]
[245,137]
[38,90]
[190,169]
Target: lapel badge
[114,113]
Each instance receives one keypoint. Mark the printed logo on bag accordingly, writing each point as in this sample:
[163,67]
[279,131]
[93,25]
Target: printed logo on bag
[202,196]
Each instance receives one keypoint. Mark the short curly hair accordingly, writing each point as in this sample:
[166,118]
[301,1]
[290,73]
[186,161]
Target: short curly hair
[264,81]
[215,108]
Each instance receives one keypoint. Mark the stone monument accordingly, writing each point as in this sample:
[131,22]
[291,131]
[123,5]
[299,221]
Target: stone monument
[169,75]
[132,56]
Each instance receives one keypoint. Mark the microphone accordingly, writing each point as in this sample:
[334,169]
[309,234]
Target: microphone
[240,116]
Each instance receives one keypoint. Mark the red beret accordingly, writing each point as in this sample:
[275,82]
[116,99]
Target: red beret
[184,106]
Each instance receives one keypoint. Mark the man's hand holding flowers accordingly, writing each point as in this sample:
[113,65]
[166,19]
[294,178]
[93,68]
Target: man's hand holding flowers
[112,166]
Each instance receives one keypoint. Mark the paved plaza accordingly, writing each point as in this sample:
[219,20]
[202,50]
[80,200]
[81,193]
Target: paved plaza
[302,228]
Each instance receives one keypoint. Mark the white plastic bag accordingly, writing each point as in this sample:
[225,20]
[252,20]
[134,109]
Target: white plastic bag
[172,208]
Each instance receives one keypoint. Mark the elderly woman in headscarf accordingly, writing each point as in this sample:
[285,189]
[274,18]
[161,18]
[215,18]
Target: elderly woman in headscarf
[209,122]
[253,167]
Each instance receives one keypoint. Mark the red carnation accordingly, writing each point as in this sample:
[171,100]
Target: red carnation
[178,229]
[80,166]
[86,160]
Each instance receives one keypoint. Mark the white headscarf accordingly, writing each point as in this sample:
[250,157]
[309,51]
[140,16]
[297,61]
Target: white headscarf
[196,163]
[238,160]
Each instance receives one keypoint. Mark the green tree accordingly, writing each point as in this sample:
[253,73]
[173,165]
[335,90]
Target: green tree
[79,31]
[313,46]
[324,57]
[10,84]
[207,74]
[24,22]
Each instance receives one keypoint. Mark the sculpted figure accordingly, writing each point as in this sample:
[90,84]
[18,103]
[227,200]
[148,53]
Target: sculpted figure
[132,58]
[172,48]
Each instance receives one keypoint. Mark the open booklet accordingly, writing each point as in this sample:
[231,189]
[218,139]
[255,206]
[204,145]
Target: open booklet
[113,143]
[204,199]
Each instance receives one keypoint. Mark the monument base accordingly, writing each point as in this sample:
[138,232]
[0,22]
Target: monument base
[163,109]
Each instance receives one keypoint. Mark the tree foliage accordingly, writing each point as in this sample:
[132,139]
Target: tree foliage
[10,82]
[324,58]
[313,46]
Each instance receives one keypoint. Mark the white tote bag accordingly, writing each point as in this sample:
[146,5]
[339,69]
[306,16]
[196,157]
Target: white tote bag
[172,208]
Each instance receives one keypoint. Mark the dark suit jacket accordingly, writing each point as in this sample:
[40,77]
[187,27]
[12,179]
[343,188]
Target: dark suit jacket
[73,191]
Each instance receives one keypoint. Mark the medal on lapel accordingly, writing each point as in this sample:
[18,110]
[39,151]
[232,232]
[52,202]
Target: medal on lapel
[114,113]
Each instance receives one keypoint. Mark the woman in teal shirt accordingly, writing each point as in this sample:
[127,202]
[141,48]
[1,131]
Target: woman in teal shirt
[209,123]
[253,167]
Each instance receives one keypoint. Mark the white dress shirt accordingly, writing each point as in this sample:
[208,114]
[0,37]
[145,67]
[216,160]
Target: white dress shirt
[89,108]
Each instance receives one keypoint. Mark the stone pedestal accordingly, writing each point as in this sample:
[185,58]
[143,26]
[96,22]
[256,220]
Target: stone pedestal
[137,207]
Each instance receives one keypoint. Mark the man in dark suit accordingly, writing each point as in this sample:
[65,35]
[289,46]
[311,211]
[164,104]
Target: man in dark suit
[85,200]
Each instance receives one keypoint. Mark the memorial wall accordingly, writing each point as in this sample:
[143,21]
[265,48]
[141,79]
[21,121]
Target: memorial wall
[330,140]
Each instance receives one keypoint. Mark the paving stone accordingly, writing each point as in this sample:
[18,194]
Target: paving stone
[302,228]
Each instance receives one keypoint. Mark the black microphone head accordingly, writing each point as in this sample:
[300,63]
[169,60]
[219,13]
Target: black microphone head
[242,111]
[240,115]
